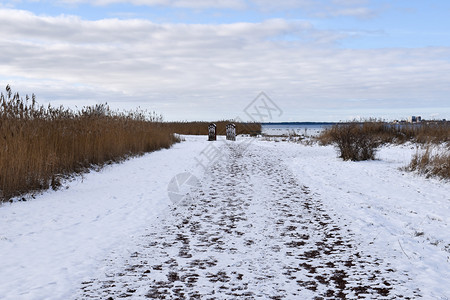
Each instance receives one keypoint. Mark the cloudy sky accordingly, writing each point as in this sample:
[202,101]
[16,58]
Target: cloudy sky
[317,60]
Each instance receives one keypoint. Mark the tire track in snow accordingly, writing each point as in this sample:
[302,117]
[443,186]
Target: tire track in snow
[252,231]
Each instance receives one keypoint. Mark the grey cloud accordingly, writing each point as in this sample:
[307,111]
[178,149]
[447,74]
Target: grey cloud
[168,66]
[359,12]
[16,23]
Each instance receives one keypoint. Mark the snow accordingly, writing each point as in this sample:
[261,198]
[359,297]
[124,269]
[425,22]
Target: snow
[51,244]
[397,215]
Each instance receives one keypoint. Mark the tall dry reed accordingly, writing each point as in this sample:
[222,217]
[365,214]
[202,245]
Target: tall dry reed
[201,128]
[39,145]
[431,162]
[354,141]
[426,132]
[359,141]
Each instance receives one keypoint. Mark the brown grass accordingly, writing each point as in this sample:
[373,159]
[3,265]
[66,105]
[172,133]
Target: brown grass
[354,141]
[40,145]
[431,164]
[201,128]
[435,132]
[359,141]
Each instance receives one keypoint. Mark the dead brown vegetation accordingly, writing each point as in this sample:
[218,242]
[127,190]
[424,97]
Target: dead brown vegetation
[40,145]
[354,141]
[431,164]
[359,141]
[425,132]
[201,128]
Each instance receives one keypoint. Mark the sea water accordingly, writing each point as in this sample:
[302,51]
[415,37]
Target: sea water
[307,129]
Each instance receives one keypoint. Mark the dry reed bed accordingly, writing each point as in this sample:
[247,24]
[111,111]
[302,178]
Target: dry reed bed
[39,145]
[201,128]
[359,141]
[435,132]
[431,162]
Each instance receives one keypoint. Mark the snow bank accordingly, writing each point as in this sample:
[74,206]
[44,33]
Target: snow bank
[398,216]
[49,245]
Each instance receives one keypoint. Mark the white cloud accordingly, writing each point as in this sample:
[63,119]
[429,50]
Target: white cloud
[284,4]
[232,4]
[359,12]
[350,2]
[190,71]
[320,8]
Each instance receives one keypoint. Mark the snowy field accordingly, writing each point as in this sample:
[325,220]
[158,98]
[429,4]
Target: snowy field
[397,215]
[50,245]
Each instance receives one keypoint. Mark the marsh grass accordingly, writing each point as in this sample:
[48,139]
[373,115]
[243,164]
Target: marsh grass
[434,132]
[40,145]
[201,128]
[354,141]
[431,162]
[360,141]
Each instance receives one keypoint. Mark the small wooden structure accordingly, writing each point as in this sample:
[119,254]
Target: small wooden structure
[231,132]
[212,132]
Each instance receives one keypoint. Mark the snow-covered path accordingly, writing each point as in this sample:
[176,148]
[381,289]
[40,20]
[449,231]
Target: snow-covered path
[50,244]
[275,219]
[251,230]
